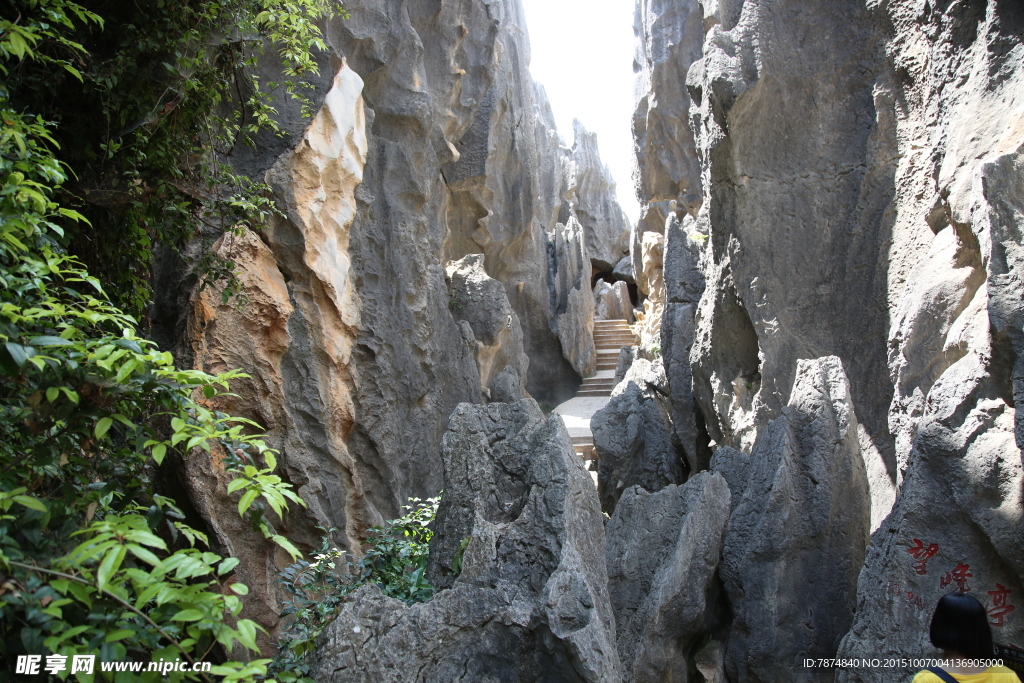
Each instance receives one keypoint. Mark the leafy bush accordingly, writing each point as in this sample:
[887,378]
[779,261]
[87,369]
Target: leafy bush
[395,559]
[150,98]
[92,558]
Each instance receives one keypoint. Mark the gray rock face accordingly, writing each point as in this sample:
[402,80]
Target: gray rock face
[507,387]
[955,339]
[632,437]
[669,36]
[611,301]
[663,550]
[478,299]
[431,143]
[604,222]
[798,531]
[624,270]
[677,330]
[799,273]
[572,298]
[531,602]
[860,173]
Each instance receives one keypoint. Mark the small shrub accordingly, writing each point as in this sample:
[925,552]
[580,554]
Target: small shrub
[395,560]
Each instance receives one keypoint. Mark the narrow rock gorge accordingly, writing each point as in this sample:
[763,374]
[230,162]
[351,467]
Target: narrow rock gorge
[815,437]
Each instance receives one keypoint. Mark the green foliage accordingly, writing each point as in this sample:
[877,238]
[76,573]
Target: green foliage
[92,559]
[395,559]
[149,111]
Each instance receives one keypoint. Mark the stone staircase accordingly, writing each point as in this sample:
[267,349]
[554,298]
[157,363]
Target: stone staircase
[609,338]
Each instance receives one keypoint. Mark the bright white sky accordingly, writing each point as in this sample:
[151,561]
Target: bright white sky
[582,52]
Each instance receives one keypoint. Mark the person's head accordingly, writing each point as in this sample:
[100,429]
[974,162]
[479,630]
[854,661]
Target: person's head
[960,624]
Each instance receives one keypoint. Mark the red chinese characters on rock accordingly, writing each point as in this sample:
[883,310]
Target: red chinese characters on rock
[921,554]
[958,575]
[1000,607]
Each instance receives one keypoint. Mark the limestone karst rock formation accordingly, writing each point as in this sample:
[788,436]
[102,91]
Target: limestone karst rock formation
[663,550]
[861,198]
[612,302]
[831,255]
[632,437]
[431,143]
[604,222]
[530,601]
[798,530]
[479,301]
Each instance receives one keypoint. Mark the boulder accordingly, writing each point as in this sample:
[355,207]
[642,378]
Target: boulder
[624,270]
[530,600]
[663,550]
[480,300]
[632,436]
[798,531]
[611,301]
[507,387]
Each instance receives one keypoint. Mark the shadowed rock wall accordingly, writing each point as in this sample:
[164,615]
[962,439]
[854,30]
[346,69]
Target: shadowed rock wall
[861,198]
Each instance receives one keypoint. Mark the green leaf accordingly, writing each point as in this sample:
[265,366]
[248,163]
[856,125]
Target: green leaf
[103,426]
[236,484]
[119,635]
[49,341]
[16,354]
[159,451]
[188,615]
[247,498]
[227,565]
[247,634]
[109,566]
[30,502]
[287,545]
[240,588]
[52,393]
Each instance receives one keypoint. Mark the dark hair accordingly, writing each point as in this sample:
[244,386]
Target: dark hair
[960,624]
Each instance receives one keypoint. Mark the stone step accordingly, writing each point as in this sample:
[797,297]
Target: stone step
[594,393]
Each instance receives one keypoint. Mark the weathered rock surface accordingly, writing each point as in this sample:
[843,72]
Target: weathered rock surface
[604,222]
[652,248]
[663,550]
[431,143]
[677,330]
[798,531]
[531,602]
[798,175]
[507,387]
[624,270]
[572,298]
[669,38]
[480,300]
[955,89]
[632,436]
[611,301]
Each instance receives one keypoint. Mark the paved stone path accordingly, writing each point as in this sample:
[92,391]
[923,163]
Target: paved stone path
[609,338]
